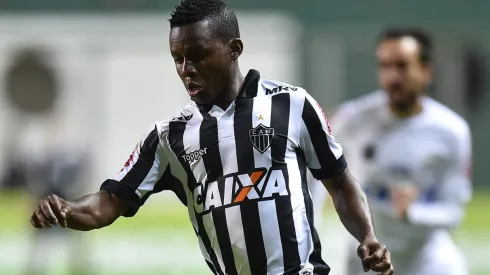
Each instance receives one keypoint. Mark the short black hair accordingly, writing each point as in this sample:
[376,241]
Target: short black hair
[423,39]
[223,18]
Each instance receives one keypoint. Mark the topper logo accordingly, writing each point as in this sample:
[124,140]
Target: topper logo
[233,189]
[193,156]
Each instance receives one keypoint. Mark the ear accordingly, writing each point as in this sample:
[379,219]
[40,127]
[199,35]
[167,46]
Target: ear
[236,48]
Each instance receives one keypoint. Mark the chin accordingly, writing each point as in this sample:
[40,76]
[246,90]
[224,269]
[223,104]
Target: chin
[200,100]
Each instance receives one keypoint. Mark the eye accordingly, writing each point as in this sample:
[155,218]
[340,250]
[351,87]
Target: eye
[178,59]
[196,57]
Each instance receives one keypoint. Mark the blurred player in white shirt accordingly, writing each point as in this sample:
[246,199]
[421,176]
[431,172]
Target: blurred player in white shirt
[413,156]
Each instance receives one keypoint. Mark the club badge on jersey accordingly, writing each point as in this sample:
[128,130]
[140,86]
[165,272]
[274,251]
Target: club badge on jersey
[261,137]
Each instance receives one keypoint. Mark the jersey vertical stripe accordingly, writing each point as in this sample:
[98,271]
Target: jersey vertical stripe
[176,141]
[209,138]
[315,251]
[280,122]
[249,209]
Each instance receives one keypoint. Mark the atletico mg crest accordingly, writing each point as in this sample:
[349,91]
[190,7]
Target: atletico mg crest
[261,137]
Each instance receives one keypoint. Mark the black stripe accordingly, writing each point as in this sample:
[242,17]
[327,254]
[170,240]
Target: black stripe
[328,162]
[315,259]
[219,218]
[168,182]
[252,229]
[176,140]
[210,265]
[242,124]
[280,110]
[249,209]
[209,140]
[280,123]
[143,165]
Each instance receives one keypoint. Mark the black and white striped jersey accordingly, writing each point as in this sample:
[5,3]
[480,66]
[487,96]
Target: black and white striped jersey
[241,172]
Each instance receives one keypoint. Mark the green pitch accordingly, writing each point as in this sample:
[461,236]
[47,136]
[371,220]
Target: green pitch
[170,226]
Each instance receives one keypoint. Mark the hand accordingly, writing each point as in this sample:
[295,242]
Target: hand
[402,197]
[375,256]
[50,211]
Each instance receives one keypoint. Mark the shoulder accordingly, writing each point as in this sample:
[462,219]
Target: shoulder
[447,121]
[362,106]
[181,116]
[358,110]
[272,87]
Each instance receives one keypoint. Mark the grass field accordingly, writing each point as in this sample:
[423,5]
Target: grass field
[159,240]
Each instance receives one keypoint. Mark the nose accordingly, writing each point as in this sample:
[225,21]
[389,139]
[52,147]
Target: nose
[187,68]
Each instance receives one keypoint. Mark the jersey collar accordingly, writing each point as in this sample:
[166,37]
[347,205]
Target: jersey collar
[250,84]
[248,89]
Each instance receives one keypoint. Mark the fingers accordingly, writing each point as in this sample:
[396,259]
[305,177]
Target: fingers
[56,205]
[376,257]
[38,219]
[50,211]
[363,252]
[389,271]
[47,210]
[385,266]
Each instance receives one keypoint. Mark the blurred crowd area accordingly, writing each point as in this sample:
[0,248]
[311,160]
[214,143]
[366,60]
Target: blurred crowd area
[81,81]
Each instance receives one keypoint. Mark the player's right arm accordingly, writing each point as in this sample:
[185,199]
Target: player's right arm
[147,171]
[89,212]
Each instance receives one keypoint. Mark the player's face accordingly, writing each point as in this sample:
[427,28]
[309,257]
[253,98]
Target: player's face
[203,60]
[401,72]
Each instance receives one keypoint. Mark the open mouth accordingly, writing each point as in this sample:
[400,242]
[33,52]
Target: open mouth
[193,89]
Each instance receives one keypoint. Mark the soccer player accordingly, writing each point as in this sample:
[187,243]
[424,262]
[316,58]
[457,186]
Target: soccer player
[237,157]
[413,155]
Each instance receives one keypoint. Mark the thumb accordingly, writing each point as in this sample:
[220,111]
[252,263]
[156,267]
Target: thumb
[363,252]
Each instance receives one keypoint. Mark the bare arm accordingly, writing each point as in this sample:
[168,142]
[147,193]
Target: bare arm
[95,211]
[351,204]
[86,213]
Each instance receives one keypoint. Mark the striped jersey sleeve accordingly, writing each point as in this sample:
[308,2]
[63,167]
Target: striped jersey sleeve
[147,171]
[322,151]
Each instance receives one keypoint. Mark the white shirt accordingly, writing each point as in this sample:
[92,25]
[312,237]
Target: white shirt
[431,150]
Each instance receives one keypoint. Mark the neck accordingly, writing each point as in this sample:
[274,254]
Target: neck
[411,110]
[230,92]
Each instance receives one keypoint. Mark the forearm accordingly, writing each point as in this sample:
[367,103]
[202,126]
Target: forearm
[92,211]
[352,206]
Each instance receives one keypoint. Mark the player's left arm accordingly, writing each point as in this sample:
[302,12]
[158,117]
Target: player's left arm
[324,158]
[454,191]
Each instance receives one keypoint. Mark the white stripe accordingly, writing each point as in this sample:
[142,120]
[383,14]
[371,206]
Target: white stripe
[192,143]
[302,227]
[136,153]
[204,252]
[301,224]
[237,237]
[308,148]
[271,236]
[227,145]
[335,147]
[160,163]
[262,107]
[211,233]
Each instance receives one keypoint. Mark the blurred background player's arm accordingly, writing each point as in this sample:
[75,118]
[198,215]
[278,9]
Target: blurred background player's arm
[453,193]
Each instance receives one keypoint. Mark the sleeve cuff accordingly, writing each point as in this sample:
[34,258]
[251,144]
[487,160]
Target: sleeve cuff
[331,170]
[123,193]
